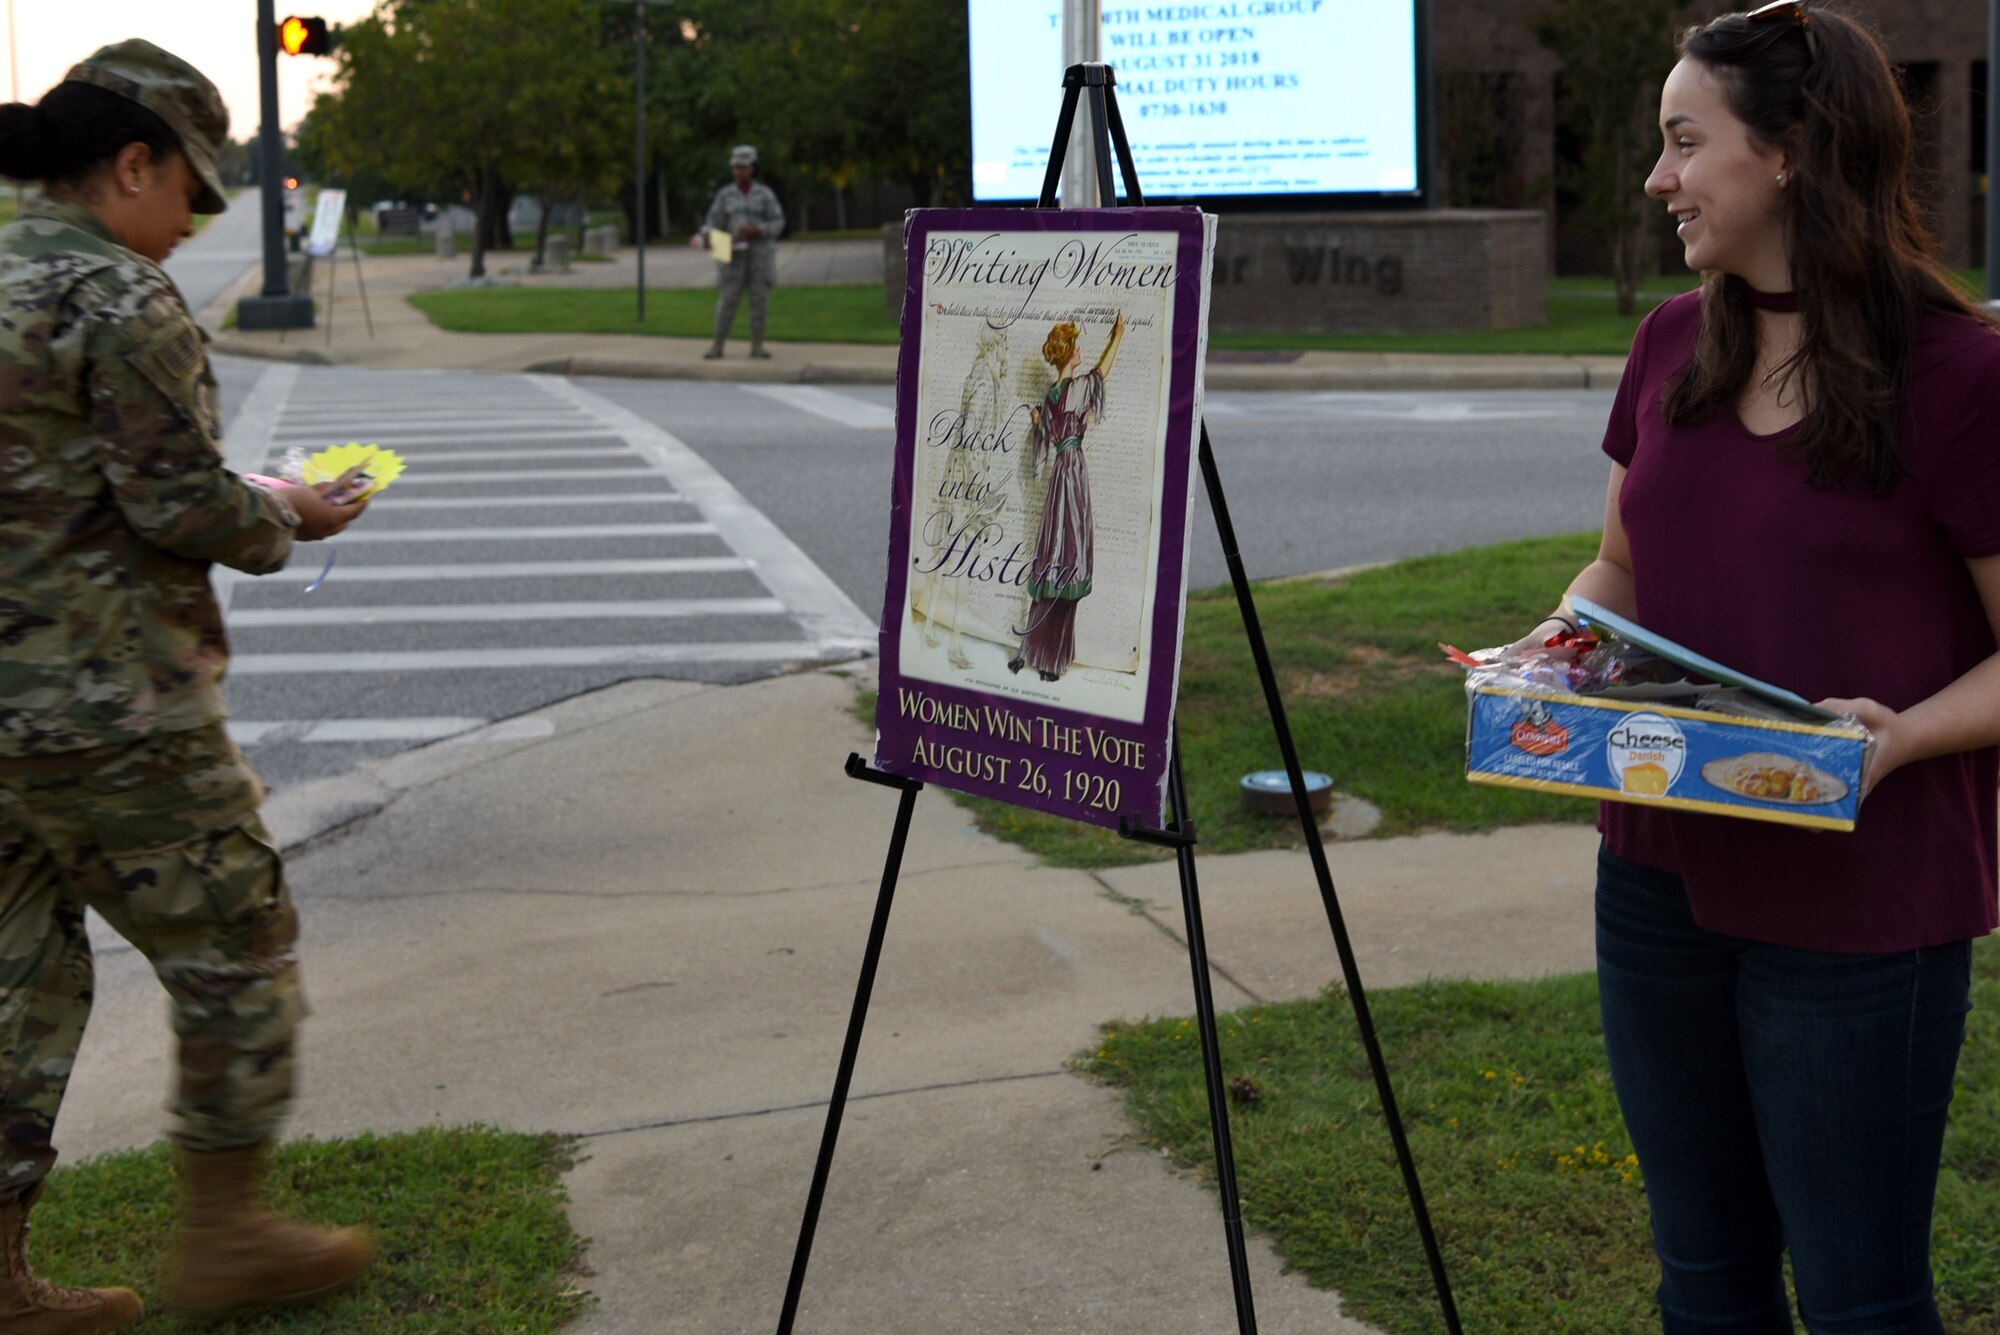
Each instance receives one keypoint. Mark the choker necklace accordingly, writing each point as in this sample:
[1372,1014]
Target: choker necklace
[1772,301]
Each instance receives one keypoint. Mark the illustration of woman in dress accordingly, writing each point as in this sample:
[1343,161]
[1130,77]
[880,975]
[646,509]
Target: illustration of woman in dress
[1059,577]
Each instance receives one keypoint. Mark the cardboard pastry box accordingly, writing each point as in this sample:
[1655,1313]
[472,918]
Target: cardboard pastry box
[1728,745]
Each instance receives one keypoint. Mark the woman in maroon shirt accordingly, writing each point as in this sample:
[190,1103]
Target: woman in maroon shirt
[1806,486]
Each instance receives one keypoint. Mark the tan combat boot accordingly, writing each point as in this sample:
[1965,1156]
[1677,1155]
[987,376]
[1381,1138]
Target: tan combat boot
[237,1252]
[29,1306]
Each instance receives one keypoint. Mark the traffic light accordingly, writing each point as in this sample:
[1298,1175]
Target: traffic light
[304,37]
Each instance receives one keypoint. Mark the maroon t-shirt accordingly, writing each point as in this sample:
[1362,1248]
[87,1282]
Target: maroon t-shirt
[1828,592]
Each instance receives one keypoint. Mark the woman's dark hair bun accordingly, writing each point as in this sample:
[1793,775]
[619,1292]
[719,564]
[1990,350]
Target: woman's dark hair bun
[24,143]
[74,131]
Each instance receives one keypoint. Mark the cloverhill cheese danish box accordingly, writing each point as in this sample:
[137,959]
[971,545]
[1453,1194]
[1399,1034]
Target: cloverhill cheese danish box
[1641,719]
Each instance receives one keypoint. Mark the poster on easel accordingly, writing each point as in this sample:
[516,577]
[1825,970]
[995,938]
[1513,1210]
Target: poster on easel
[1048,407]
[324,238]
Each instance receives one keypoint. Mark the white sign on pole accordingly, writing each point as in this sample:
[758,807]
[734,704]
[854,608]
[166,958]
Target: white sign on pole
[325,235]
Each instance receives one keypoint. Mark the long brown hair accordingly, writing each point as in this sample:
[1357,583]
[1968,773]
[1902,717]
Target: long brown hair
[1863,264]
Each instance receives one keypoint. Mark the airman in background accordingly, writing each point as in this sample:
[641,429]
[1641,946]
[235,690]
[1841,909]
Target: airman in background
[749,212]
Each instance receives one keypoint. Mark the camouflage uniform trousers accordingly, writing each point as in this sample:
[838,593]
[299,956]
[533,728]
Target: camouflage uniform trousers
[754,269]
[162,838]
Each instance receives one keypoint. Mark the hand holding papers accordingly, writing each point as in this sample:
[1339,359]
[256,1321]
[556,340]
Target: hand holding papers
[356,471]
[342,474]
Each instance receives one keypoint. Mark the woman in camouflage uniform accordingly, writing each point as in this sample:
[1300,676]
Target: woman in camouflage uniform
[119,788]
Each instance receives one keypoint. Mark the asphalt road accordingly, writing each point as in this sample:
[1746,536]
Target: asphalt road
[212,260]
[731,531]
[1314,482]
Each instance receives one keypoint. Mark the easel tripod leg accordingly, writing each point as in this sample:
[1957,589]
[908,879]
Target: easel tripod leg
[892,867]
[1350,970]
[1211,1060]
[354,248]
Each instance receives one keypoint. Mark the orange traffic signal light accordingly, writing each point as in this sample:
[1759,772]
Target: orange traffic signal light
[304,37]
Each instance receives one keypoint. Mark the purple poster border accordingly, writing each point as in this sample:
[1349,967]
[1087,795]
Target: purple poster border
[1041,756]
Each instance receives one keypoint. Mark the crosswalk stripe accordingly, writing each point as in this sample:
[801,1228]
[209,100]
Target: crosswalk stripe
[512,502]
[249,440]
[380,535]
[399,440]
[822,607]
[524,450]
[603,655]
[443,412]
[521,475]
[834,407]
[526,441]
[489,456]
[634,609]
[360,574]
[488,411]
[248,733]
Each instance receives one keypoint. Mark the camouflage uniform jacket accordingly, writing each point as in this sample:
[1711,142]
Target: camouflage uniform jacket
[731,208]
[113,496]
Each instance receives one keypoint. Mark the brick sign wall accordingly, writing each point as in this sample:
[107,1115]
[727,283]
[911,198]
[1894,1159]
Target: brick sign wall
[1359,273]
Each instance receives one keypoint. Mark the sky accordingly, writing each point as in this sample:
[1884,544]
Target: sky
[217,37]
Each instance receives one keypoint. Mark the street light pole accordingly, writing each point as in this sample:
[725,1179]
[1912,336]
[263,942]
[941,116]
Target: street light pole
[277,306]
[639,148]
[639,142]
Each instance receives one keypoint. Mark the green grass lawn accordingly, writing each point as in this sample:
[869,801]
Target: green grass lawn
[849,313]
[1538,1205]
[1370,699]
[474,1233]
[1583,317]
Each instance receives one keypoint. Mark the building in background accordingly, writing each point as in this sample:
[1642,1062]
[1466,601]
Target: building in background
[1499,123]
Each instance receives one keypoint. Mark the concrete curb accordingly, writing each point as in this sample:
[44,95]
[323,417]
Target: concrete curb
[1458,375]
[304,812]
[235,347]
[412,343]
[633,368]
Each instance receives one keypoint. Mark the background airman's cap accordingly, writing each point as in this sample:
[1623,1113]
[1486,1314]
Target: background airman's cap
[743,156]
[177,93]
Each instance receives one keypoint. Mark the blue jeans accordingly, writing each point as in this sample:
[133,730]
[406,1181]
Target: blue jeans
[1779,1100]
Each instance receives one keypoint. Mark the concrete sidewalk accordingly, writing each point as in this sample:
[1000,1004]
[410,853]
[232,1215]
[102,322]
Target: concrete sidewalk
[644,930]
[404,339]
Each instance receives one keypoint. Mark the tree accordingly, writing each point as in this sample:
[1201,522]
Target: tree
[234,162]
[1479,116]
[470,99]
[833,91]
[1614,58]
[914,119]
[474,97]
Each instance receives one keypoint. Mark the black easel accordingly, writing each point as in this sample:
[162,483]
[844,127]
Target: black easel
[1108,129]
[333,273]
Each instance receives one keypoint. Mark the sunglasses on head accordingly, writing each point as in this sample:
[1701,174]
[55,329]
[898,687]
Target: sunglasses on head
[1789,11]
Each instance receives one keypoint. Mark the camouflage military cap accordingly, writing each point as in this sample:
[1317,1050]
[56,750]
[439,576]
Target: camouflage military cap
[177,93]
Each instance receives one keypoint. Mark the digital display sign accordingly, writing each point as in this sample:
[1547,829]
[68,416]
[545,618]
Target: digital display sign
[1220,98]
